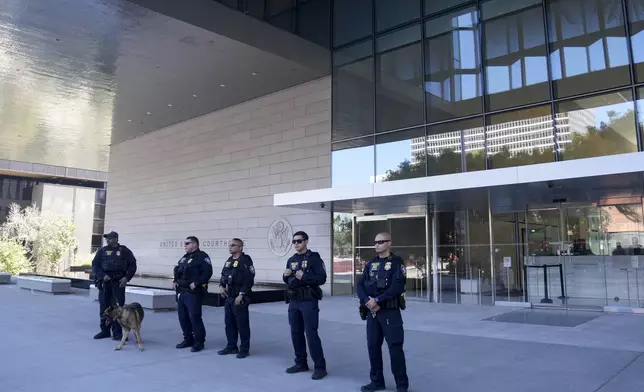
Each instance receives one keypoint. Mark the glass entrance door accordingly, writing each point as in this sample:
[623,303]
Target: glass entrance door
[409,241]
[575,255]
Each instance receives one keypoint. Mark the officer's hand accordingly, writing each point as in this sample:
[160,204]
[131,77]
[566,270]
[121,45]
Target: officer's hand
[222,292]
[106,278]
[287,272]
[192,286]
[174,285]
[299,274]
[238,300]
[371,304]
[377,308]
[123,282]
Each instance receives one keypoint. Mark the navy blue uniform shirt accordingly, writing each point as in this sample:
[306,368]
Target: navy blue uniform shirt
[238,272]
[391,269]
[117,254]
[194,267]
[313,267]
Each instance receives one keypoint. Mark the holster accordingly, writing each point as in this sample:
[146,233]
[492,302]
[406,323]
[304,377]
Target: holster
[363,310]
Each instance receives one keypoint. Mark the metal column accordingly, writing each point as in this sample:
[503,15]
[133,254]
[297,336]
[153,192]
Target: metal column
[435,272]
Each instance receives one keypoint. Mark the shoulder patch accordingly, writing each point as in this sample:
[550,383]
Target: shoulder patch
[207,260]
[324,267]
[402,268]
[252,269]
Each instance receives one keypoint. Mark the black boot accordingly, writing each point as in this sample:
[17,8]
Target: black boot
[227,351]
[102,335]
[372,387]
[197,347]
[185,344]
[297,369]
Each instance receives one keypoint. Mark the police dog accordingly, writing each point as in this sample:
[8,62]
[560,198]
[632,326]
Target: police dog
[130,317]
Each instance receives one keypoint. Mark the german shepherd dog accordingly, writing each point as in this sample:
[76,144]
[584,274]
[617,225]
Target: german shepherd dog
[130,317]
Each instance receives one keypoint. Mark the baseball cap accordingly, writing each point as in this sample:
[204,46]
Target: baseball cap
[111,234]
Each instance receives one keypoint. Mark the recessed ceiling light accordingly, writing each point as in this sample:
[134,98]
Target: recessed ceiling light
[129,120]
[169,105]
[148,113]
[194,95]
[222,85]
[254,74]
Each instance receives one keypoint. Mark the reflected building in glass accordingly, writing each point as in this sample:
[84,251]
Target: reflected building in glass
[500,142]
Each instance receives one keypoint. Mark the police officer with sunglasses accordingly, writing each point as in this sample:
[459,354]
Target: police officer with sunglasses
[305,273]
[191,276]
[381,289]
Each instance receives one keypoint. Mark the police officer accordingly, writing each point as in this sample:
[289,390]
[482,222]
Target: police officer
[380,288]
[237,279]
[191,276]
[305,273]
[113,267]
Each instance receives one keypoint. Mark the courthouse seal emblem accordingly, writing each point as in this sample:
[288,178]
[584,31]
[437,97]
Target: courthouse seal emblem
[280,234]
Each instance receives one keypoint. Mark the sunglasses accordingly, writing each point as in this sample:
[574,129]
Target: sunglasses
[188,243]
[380,242]
[297,241]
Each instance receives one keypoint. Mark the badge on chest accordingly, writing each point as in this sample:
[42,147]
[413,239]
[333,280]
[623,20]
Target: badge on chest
[305,264]
[388,266]
[293,265]
[375,266]
[228,264]
[235,264]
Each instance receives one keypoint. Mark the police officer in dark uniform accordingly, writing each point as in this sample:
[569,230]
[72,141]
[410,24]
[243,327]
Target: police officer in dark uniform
[237,279]
[381,289]
[305,273]
[113,267]
[191,276]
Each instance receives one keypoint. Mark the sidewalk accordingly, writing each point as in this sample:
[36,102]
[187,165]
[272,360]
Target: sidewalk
[47,346]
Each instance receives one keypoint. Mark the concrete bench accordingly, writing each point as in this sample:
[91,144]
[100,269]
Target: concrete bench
[151,299]
[46,285]
[5,278]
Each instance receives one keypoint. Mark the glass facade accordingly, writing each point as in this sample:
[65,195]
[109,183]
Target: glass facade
[491,83]
[426,88]
[570,254]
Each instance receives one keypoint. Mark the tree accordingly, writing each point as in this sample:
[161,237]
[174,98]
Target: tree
[342,237]
[46,238]
[13,257]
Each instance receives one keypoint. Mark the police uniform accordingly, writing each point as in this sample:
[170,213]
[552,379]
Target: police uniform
[384,280]
[116,262]
[194,268]
[303,311]
[238,277]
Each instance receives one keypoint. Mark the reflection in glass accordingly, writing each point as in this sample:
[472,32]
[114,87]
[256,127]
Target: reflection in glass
[342,253]
[352,162]
[390,13]
[281,13]
[515,53]
[636,18]
[522,137]
[353,91]
[314,21]
[464,257]
[352,20]
[596,126]
[453,66]
[434,6]
[640,110]
[508,258]
[399,79]
[400,155]
[588,46]
[446,143]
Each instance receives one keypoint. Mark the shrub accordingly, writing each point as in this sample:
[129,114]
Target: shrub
[13,257]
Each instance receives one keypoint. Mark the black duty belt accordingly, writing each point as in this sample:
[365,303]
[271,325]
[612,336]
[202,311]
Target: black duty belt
[391,304]
[300,294]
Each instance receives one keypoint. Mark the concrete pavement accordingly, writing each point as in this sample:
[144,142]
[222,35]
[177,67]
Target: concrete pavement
[47,346]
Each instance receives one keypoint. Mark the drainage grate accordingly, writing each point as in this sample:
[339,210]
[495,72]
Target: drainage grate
[552,318]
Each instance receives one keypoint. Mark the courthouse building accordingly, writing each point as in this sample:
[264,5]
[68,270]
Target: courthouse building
[500,142]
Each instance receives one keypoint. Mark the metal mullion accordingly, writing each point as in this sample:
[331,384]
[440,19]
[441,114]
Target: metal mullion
[424,71]
[483,83]
[551,87]
[631,68]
